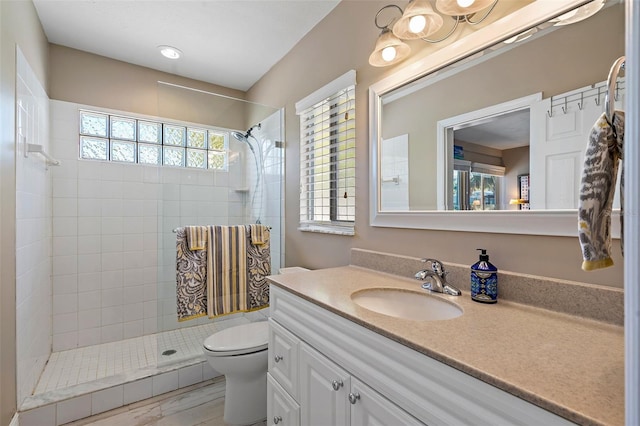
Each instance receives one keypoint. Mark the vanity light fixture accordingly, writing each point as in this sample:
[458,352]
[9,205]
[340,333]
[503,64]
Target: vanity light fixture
[579,14]
[418,21]
[170,52]
[389,49]
[522,36]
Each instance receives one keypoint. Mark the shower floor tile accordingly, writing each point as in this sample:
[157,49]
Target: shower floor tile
[123,358]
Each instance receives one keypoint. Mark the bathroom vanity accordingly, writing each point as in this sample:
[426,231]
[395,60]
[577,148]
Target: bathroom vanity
[334,362]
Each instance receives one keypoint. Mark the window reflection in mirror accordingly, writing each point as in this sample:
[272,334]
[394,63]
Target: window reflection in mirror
[545,140]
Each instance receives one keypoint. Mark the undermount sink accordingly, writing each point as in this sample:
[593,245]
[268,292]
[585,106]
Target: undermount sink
[406,304]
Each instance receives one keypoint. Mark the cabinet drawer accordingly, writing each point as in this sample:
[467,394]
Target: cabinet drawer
[283,358]
[282,410]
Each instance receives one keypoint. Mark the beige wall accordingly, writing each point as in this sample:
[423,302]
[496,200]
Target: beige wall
[89,79]
[528,68]
[20,26]
[516,162]
[343,41]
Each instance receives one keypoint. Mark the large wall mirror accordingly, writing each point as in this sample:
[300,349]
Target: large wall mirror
[493,140]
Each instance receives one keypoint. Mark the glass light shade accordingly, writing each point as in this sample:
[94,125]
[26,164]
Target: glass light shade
[411,18]
[579,14]
[522,36]
[453,8]
[386,44]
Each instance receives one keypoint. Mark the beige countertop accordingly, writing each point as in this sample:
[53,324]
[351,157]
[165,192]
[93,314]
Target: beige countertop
[571,366]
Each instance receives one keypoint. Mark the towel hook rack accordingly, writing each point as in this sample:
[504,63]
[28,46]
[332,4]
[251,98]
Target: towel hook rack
[611,86]
[38,149]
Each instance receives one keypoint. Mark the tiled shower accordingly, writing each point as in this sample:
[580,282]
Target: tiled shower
[97,248]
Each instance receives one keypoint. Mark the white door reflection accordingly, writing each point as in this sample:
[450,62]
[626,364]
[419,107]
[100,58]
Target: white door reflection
[394,169]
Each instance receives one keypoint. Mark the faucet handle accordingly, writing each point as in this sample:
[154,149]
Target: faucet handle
[436,266]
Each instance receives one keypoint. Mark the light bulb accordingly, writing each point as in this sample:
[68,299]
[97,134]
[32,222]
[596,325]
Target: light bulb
[465,3]
[417,23]
[389,53]
[170,52]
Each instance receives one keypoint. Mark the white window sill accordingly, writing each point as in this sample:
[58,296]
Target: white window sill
[329,229]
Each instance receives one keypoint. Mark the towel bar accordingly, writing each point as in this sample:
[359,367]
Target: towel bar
[176,229]
[38,149]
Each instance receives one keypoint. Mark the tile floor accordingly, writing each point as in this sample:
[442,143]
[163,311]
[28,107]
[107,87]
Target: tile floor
[198,405]
[88,381]
[81,365]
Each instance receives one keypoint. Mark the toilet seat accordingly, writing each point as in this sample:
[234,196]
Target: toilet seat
[238,340]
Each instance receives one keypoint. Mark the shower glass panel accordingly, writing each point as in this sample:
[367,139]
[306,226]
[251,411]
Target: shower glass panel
[210,177]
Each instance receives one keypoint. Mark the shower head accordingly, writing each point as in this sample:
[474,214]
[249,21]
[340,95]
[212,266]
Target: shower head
[244,137]
[239,136]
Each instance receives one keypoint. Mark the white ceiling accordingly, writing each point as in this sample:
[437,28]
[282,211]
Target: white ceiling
[229,43]
[506,131]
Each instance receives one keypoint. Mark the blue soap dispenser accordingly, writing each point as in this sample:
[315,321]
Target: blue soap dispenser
[484,280]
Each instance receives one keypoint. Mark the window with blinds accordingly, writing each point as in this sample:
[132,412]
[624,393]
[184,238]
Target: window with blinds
[327,163]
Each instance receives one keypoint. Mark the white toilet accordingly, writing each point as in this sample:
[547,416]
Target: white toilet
[240,353]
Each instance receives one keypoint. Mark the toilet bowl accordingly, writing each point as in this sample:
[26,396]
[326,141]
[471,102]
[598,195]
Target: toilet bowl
[240,353]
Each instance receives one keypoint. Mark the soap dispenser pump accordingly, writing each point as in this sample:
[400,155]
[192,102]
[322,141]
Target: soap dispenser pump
[484,280]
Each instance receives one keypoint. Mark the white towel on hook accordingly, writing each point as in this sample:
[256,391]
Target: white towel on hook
[603,155]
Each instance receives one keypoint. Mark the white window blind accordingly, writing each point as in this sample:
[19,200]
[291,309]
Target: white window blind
[327,163]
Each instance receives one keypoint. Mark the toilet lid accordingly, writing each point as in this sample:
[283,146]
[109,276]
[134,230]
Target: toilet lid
[239,339]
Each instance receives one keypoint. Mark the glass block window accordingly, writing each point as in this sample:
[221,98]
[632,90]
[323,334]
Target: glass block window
[123,151]
[93,148]
[149,132]
[197,138]
[217,141]
[173,156]
[123,128]
[197,158]
[125,139]
[217,160]
[93,124]
[174,135]
[149,154]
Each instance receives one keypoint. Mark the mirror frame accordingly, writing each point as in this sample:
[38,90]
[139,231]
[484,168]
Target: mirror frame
[536,222]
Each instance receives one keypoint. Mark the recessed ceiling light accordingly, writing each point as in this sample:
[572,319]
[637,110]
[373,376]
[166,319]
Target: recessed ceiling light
[170,52]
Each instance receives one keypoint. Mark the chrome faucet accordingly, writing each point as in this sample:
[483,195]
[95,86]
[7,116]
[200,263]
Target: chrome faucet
[438,278]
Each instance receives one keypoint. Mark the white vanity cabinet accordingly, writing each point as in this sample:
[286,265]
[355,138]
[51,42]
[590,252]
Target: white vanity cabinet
[336,372]
[327,394]
[324,390]
[282,409]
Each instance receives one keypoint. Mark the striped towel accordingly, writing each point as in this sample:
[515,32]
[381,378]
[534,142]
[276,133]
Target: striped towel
[227,270]
[258,267]
[259,234]
[604,152]
[197,237]
[191,279]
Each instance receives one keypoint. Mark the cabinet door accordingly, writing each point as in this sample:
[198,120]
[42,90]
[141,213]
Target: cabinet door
[324,390]
[369,408]
[282,410]
[283,357]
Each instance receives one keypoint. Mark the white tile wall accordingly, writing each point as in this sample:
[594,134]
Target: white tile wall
[42,416]
[33,235]
[165,382]
[72,409]
[112,228]
[138,390]
[107,399]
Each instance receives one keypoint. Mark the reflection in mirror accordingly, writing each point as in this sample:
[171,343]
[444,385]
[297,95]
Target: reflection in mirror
[503,130]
